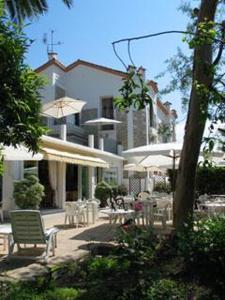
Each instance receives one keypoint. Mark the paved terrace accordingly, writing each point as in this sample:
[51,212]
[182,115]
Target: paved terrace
[73,244]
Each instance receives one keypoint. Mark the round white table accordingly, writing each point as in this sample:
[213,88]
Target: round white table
[118,214]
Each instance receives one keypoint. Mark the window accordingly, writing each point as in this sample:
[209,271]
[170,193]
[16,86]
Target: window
[77,119]
[107,111]
[30,167]
[111,176]
[152,118]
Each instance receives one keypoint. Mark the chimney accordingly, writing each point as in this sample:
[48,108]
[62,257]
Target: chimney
[52,55]
[174,113]
[167,104]
[141,71]
[153,85]
[131,68]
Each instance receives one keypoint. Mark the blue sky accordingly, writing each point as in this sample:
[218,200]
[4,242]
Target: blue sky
[88,29]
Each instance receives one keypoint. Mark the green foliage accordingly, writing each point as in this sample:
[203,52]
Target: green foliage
[162,187]
[63,293]
[20,120]
[166,289]
[119,190]
[164,130]
[171,289]
[206,33]
[210,180]
[102,192]
[28,192]
[202,248]
[28,9]
[133,92]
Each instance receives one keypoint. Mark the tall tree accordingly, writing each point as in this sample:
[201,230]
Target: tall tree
[203,76]
[20,120]
[18,10]
[204,71]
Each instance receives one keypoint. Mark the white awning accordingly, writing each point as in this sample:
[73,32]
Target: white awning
[73,158]
[20,153]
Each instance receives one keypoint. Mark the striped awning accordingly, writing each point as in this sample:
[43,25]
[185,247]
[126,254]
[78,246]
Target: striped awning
[73,158]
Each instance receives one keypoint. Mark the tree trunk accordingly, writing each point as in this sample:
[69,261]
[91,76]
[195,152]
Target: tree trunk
[185,185]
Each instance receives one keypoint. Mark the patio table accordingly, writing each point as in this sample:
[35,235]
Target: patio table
[118,214]
[213,207]
[5,231]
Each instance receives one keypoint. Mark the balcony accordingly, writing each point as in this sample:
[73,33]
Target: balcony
[75,133]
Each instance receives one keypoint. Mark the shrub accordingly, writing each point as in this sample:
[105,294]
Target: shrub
[28,192]
[63,293]
[210,180]
[162,187]
[166,289]
[202,248]
[102,192]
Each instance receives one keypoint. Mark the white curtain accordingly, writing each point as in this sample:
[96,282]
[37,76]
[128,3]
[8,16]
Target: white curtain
[52,168]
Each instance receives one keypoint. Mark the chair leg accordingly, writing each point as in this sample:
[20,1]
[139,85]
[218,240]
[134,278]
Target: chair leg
[4,241]
[11,245]
[1,216]
[48,247]
[55,238]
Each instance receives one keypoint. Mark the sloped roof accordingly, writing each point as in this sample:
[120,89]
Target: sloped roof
[77,63]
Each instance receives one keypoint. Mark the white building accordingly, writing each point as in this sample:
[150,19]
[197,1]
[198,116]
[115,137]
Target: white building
[64,176]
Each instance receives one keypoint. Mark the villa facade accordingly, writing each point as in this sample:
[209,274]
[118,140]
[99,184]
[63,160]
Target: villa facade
[70,169]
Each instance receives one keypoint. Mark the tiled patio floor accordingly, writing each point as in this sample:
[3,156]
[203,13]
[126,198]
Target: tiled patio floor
[73,243]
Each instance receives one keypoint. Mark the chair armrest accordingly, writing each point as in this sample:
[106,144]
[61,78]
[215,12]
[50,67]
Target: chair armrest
[50,231]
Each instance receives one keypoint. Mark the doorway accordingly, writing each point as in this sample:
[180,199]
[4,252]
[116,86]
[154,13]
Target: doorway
[71,182]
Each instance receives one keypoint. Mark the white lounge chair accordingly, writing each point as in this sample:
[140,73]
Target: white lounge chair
[28,229]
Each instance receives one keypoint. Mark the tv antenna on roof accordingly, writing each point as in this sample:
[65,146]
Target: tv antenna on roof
[50,44]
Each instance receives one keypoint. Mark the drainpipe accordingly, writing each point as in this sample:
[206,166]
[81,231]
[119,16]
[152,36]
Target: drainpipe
[91,173]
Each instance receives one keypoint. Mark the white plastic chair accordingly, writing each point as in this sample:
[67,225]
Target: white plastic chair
[28,229]
[75,213]
[92,210]
[163,212]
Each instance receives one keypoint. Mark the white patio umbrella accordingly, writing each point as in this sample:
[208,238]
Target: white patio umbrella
[143,168]
[165,155]
[100,122]
[62,107]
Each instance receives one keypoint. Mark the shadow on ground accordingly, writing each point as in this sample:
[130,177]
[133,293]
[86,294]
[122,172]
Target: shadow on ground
[101,233]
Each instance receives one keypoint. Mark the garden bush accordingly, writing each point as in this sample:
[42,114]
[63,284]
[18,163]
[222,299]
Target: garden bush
[103,191]
[209,180]
[28,192]
[202,248]
[162,187]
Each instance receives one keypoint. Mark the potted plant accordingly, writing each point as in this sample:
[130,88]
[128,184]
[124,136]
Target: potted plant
[28,192]
[102,192]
